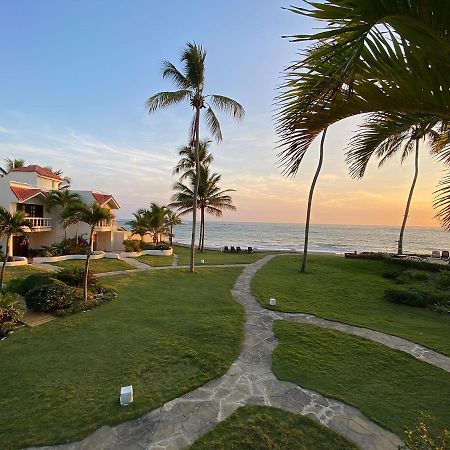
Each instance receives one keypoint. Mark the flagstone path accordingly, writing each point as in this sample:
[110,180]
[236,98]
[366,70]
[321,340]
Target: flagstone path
[249,380]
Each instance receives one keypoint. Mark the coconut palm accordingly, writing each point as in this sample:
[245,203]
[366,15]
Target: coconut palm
[92,215]
[186,165]
[172,220]
[155,218]
[211,199]
[191,83]
[139,225]
[384,135]
[11,164]
[62,198]
[15,223]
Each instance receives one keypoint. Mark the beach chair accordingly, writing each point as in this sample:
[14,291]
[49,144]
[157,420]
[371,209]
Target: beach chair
[232,249]
[238,250]
[249,250]
[436,254]
[445,254]
[226,249]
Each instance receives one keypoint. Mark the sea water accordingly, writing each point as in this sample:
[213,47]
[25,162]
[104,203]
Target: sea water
[323,238]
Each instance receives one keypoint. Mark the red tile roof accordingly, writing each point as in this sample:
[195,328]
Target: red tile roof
[23,194]
[101,199]
[42,171]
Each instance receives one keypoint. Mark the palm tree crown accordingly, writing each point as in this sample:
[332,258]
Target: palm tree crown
[186,165]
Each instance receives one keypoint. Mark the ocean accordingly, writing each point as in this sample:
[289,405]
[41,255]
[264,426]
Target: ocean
[322,238]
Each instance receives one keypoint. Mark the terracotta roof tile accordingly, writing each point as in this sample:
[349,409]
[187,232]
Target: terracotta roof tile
[23,194]
[42,171]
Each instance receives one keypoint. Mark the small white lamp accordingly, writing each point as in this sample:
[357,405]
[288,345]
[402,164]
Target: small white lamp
[272,302]
[126,395]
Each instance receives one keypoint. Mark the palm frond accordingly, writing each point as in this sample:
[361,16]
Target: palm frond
[442,201]
[193,59]
[213,124]
[228,106]
[171,72]
[165,99]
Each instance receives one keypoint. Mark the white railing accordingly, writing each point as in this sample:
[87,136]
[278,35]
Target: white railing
[105,224]
[40,223]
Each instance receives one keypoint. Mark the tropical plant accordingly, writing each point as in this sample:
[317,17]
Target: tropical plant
[211,199]
[186,165]
[11,164]
[15,223]
[172,220]
[92,215]
[190,83]
[140,224]
[155,218]
[59,173]
[62,198]
[10,312]
[383,135]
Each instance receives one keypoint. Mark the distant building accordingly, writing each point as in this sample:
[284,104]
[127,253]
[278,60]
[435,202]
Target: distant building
[26,188]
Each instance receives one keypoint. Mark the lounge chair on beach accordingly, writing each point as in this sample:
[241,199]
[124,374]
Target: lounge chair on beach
[249,250]
[226,249]
[436,254]
[238,250]
[445,254]
[233,250]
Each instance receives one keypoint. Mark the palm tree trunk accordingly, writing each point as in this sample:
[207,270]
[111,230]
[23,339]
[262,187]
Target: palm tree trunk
[197,182]
[310,198]
[4,261]
[202,235]
[408,203]
[86,267]
[171,235]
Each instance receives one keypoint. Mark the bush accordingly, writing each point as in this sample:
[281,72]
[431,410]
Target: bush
[10,312]
[65,247]
[416,295]
[160,246]
[73,276]
[444,280]
[31,282]
[411,277]
[391,275]
[132,245]
[53,296]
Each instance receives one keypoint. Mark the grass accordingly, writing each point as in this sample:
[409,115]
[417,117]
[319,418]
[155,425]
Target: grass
[389,386]
[166,333]
[12,273]
[217,257]
[156,261]
[350,291]
[266,428]
[97,265]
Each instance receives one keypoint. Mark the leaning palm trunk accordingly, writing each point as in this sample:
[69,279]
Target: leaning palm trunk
[408,203]
[86,266]
[310,198]
[197,183]
[4,261]
[203,230]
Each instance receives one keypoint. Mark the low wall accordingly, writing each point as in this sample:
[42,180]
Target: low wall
[147,252]
[52,259]
[18,261]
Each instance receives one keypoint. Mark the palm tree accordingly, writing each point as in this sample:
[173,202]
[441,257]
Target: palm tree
[11,164]
[172,220]
[190,83]
[59,173]
[91,215]
[12,224]
[211,199]
[385,134]
[186,164]
[62,198]
[155,218]
[139,225]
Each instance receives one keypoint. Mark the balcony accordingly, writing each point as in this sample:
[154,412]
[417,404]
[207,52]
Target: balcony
[105,225]
[39,224]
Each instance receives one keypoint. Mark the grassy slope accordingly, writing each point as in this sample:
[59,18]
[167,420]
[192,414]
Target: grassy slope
[156,261]
[12,273]
[166,333]
[388,386]
[216,256]
[265,428]
[97,265]
[349,291]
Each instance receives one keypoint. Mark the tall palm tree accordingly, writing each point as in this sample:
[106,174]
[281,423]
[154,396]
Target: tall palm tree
[383,135]
[12,224]
[191,83]
[11,164]
[91,215]
[186,165]
[172,220]
[62,198]
[211,199]
[155,218]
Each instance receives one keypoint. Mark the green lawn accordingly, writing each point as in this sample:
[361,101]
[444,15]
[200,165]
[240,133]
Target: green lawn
[389,386]
[97,265]
[350,291]
[166,333]
[12,273]
[217,257]
[265,428]
[156,261]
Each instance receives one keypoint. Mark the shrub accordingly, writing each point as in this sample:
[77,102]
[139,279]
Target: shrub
[10,312]
[391,275]
[160,246]
[132,245]
[53,296]
[444,280]
[73,276]
[31,282]
[411,277]
[416,295]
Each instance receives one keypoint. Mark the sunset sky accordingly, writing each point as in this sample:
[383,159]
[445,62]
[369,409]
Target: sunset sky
[75,76]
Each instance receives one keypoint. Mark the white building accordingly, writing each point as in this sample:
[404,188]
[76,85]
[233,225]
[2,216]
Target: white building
[26,188]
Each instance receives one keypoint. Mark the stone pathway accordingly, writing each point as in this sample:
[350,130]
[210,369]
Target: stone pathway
[175,260]
[135,263]
[249,380]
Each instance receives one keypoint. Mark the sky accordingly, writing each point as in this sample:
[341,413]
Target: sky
[76,74]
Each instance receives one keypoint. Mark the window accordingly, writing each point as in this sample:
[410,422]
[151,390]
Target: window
[31,210]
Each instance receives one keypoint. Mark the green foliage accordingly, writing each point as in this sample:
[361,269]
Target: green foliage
[160,246]
[423,437]
[65,247]
[53,296]
[407,277]
[444,280]
[416,294]
[74,276]
[10,312]
[132,245]
[30,282]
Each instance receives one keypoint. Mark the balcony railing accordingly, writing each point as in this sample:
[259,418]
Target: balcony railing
[105,224]
[40,223]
